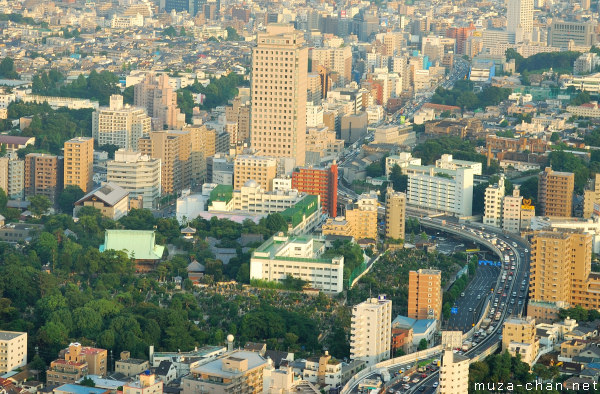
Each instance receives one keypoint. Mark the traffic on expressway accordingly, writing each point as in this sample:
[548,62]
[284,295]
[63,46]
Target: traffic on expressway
[507,293]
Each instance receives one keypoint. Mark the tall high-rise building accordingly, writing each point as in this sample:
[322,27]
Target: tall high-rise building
[561,273]
[425,294]
[493,200]
[591,196]
[260,169]
[319,181]
[454,373]
[519,18]
[337,60]
[371,330]
[395,213]
[517,212]
[555,193]
[191,6]
[120,125]
[79,163]
[138,174]
[12,179]
[44,175]
[279,70]
[159,99]
[173,148]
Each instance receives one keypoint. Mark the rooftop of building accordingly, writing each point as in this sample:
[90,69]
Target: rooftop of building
[222,193]
[215,368]
[138,244]
[8,335]
[273,247]
[72,388]
[295,214]
[135,361]
[109,193]
[199,352]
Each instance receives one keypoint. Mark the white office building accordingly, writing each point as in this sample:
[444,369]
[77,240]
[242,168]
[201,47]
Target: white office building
[519,18]
[139,174]
[120,125]
[371,330]
[494,196]
[300,257]
[437,189]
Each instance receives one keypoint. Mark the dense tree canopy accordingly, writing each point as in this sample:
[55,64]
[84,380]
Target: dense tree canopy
[96,86]
[558,61]
[462,96]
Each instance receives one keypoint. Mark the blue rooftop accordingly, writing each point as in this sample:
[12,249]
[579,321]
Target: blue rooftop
[77,389]
[418,326]
[421,326]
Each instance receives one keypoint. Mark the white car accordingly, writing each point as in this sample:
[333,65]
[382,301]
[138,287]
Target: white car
[435,385]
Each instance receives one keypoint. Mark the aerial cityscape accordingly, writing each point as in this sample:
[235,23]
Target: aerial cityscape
[237,196]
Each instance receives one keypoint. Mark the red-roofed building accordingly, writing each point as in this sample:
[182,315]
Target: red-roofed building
[63,372]
[7,386]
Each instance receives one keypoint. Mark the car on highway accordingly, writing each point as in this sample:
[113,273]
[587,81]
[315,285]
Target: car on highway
[416,380]
[435,384]
[406,386]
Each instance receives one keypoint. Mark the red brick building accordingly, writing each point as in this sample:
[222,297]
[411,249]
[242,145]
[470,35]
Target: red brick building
[319,181]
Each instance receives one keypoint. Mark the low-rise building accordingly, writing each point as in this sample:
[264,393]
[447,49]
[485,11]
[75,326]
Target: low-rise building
[139,245]
[519,337]
[13,350]
[238,372]
[131,366]
[299,257]
[110,199]
[324,370]
[146,384]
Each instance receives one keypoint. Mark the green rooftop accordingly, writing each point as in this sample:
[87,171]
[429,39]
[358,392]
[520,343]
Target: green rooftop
[138,244]
[302,209]
[222,193]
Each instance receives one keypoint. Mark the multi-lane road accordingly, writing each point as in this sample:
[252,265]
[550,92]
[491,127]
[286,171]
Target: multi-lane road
[508,298]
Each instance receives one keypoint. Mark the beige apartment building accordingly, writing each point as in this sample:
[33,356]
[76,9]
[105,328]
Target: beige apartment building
[239,113]
[591,196]
[395,213]
[259,169]
[95,358]
[425,294]
[336,60]
[561,274]
[518,337]
[131,366]
[173,148]
[454,373]
[360,221]
[79,162]
[13,350]
[12,176]
[44,175]
[555,193]
[120,125]
[279,72]
[139,174]
[159,99]
[237,372]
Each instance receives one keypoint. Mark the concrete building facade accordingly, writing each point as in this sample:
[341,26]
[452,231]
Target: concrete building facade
[120,125]
[79,163]
[370,333]
[425,294]
[555,193]
[279,74]
[139,174]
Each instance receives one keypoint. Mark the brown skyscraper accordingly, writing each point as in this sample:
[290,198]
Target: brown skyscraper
[44,175]
[79,162]
[425,294]
[279,70]
[555,193]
